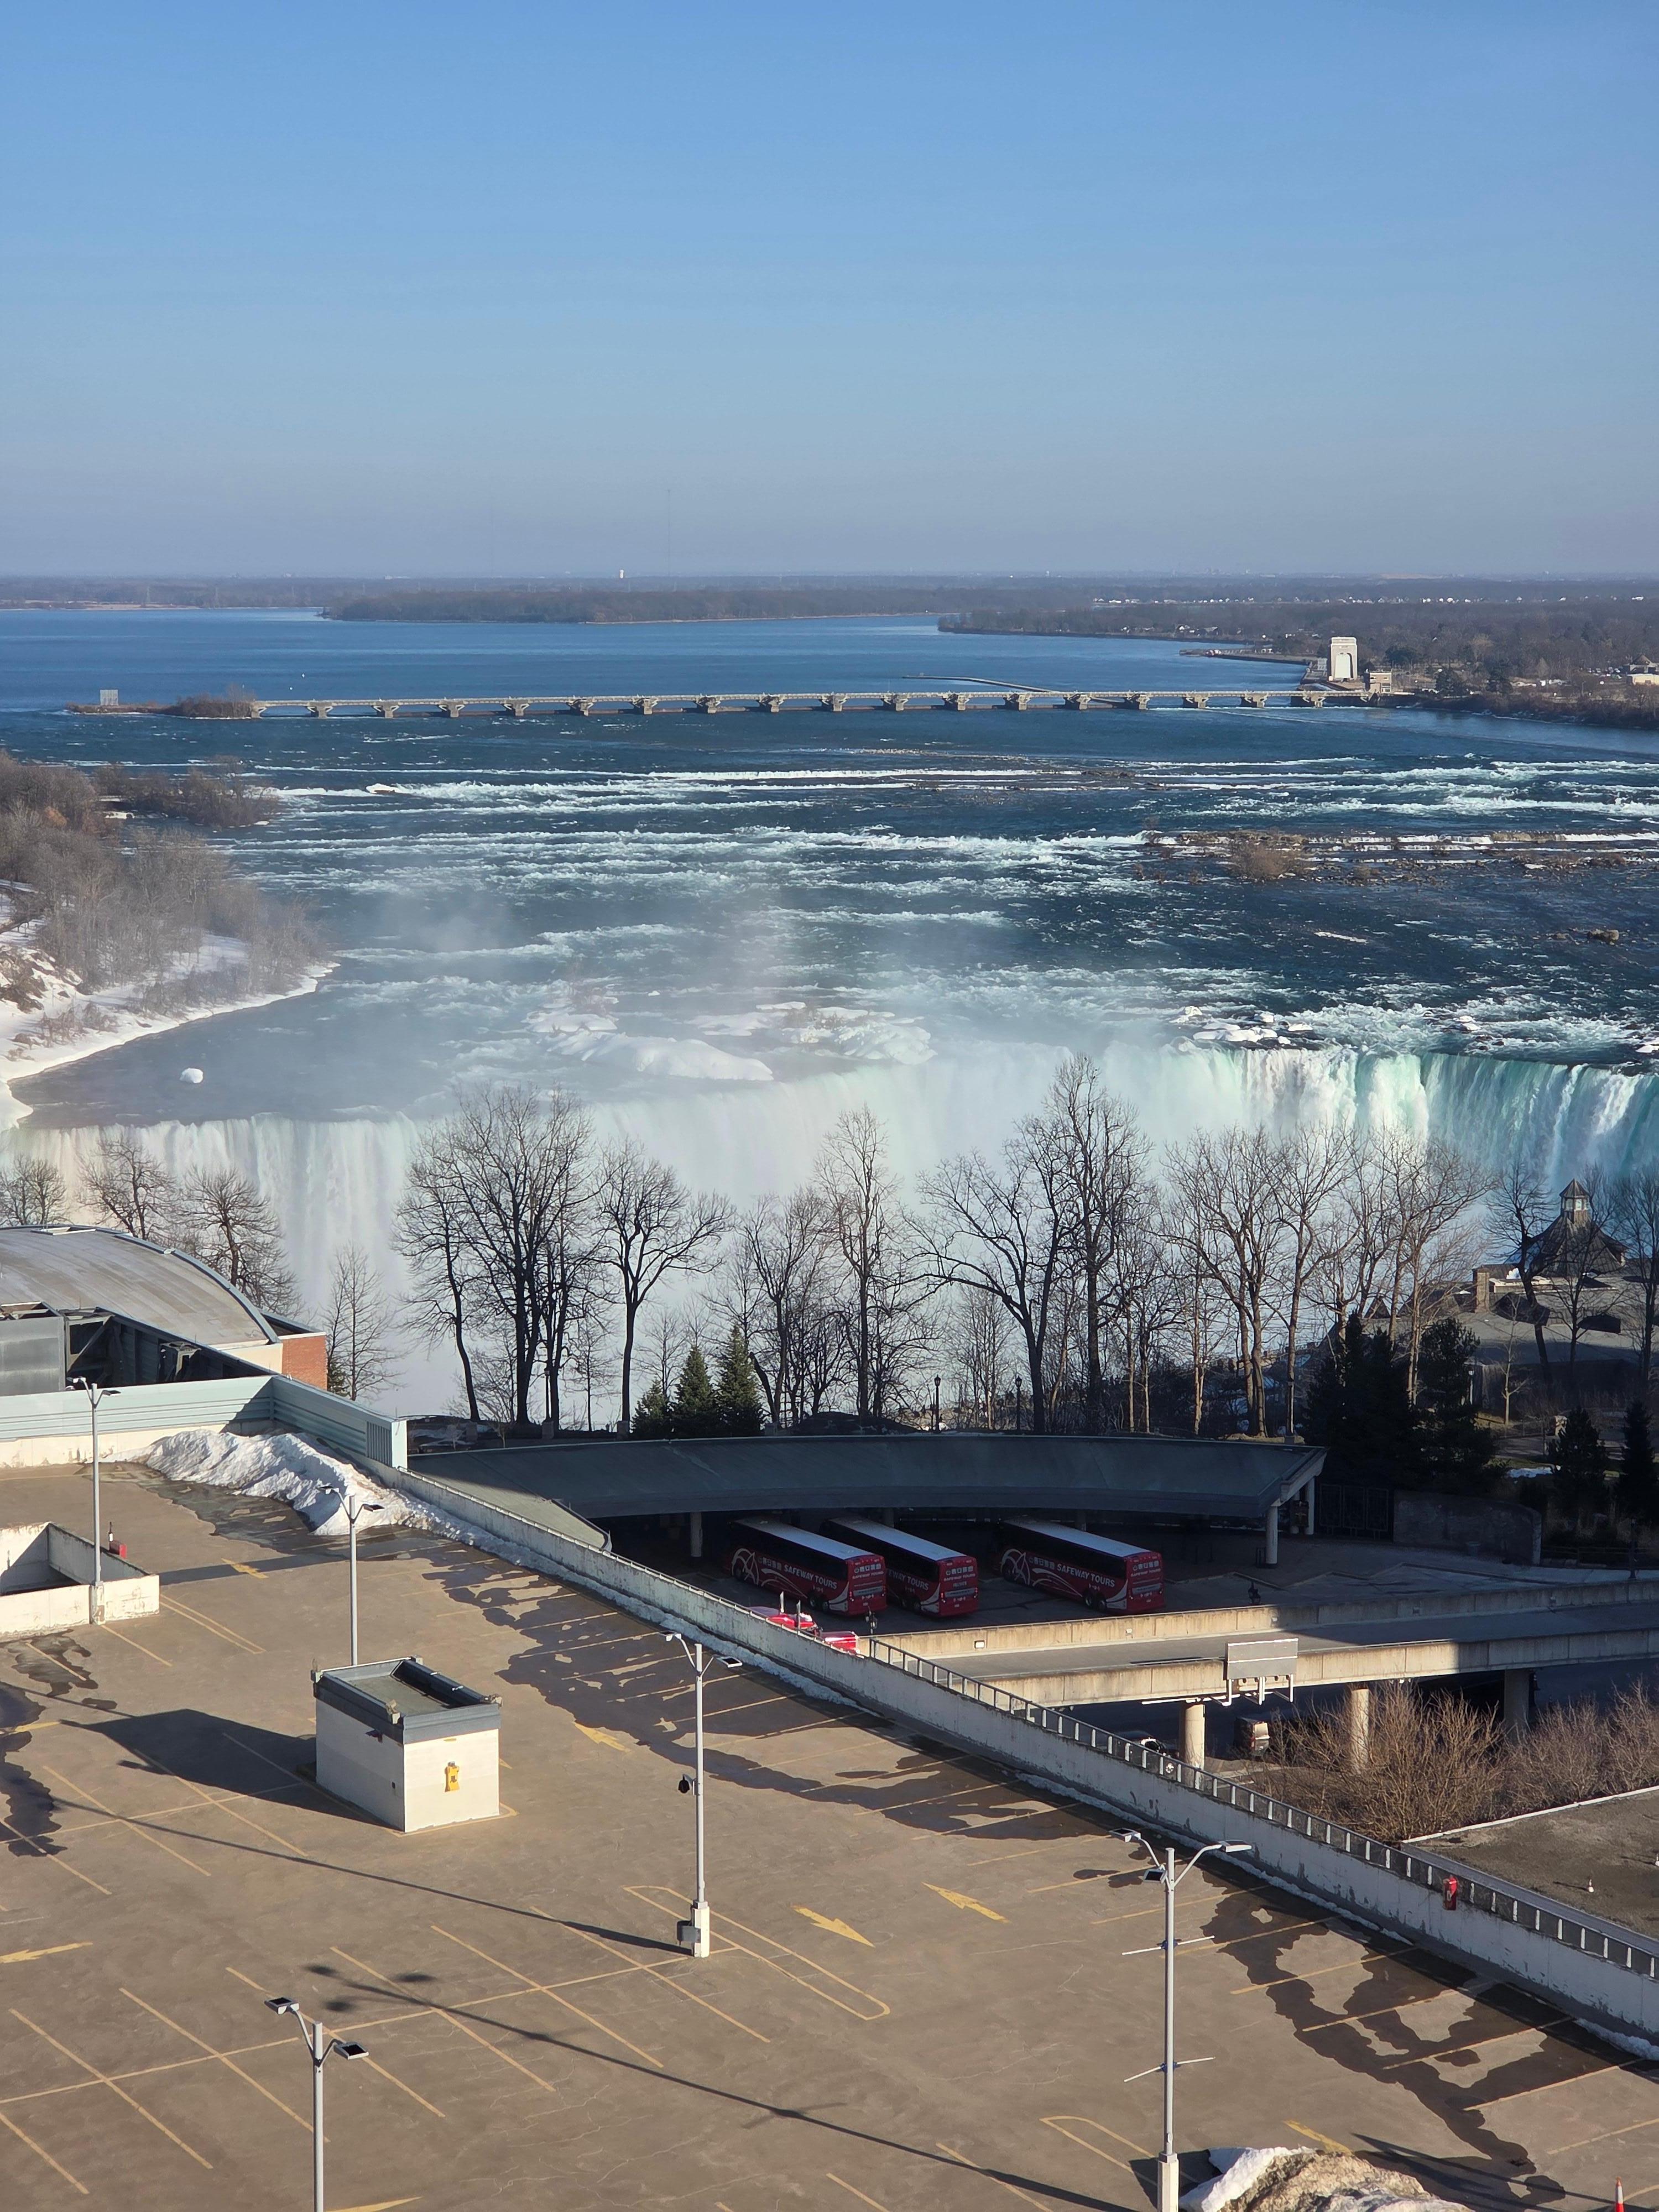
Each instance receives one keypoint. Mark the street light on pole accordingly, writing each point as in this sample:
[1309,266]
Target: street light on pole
[693,1934]
[320,2047]
[1163,1870]
[96,1393]
[354,1509]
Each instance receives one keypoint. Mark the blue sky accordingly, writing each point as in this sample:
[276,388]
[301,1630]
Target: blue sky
[534,289]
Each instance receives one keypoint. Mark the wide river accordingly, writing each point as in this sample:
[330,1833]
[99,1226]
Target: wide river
[724,930]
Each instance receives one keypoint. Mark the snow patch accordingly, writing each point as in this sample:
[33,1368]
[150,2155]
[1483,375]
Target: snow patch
[318,1486]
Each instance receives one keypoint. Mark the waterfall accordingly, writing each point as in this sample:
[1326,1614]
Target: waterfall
[334,1182]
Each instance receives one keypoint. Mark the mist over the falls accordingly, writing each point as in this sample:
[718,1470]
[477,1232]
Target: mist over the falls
[720,932]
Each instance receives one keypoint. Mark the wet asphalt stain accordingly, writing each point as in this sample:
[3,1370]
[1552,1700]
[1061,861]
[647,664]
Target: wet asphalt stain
[59,1668]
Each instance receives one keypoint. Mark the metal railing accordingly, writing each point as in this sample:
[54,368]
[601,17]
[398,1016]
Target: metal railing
[1475,1892]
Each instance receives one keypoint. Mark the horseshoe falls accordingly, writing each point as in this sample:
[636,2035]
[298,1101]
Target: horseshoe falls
[721,930]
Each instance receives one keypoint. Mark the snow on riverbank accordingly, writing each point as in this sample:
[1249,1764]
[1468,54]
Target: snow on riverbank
[67,1022]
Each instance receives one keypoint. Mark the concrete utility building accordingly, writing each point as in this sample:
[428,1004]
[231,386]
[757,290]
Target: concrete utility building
[1342,663]
[75,1301]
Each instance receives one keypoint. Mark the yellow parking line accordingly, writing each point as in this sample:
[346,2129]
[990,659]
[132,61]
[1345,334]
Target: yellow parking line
[223,2059]
[541,1989]
[1326,2142]
[133,1644]
[241,1567]
[129,1820]
[104,2080]
[62,2171]
[214,1627]
[964,1904]
[962,2159]
[1607,2135]
[1057,2122]
[851,2191]
[57,1858]
[52,1951]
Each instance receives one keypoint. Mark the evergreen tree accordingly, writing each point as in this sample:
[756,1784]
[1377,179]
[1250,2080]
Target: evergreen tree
[1458,1453]
[1579,1464]
[696,1410]
[1638,1477]
[653,1416]
[1360,1409]
[735,1391]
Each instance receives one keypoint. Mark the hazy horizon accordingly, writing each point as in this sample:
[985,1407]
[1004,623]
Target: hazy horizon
[543,292]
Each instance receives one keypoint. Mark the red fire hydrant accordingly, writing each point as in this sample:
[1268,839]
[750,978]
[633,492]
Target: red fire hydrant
[1449,1893]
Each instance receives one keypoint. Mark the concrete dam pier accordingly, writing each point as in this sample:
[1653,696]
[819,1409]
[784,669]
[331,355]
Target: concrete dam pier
[496,706]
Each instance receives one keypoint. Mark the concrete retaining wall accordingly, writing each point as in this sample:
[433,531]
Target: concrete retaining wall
[1470,1525]
[35,1601]
[51,1428]
[1592,1969]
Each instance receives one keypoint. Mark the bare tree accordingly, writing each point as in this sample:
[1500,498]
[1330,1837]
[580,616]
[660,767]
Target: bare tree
[126,1183]
[1632,1214]
[431,1233]
[1102,1158]
[229,1224]
[880,1282]
[1001,1232]
[775,1292]
[33,1195]
[357,1322]
[1521,1210]
[1226,1189]
[1309,1166]
[1435,1189]
[980,1345]
[654,1227]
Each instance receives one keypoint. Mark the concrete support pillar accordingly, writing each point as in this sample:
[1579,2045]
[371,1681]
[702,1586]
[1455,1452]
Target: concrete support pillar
[1192,1733]
[1517,1702]
[1309,1493]
[1270,1537]
[387,708]
[1359,1726]
[697,1536]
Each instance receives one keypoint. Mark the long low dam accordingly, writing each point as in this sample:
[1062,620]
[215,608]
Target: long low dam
[503,707]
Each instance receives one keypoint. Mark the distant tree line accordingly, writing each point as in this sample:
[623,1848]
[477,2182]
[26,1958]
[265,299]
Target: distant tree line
[1479,644]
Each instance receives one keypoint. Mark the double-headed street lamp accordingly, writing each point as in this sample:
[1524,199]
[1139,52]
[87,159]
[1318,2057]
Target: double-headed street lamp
[354,1508]
[96,1393]
[320,2047]
[693,1934]
[1164,1869]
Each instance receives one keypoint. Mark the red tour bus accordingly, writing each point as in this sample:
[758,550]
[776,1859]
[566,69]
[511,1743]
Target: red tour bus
[838,1577]
[926,1576]
[1071,1563]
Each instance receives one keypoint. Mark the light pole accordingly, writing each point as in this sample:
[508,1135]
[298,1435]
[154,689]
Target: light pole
[1163,1870]
[938,1379]
[96,1393]
[320,2047]
[693,1934]
[355,1510]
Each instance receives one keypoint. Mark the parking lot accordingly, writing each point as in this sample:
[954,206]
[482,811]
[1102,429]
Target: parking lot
[918,1995]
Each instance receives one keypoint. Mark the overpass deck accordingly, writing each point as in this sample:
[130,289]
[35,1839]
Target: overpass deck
[1174,1656]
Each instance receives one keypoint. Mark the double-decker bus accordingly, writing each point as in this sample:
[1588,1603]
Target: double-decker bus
[926,1576]
[836,1576]
[1071,1563]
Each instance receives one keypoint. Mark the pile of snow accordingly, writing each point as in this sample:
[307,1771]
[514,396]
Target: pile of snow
[1281,2181]
[314,1482]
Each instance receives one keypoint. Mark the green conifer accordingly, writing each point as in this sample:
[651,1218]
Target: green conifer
[1579,1464]
[739,1400]
[1458,1453]
[653,1416]
[696,1410]
[1638,1477]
